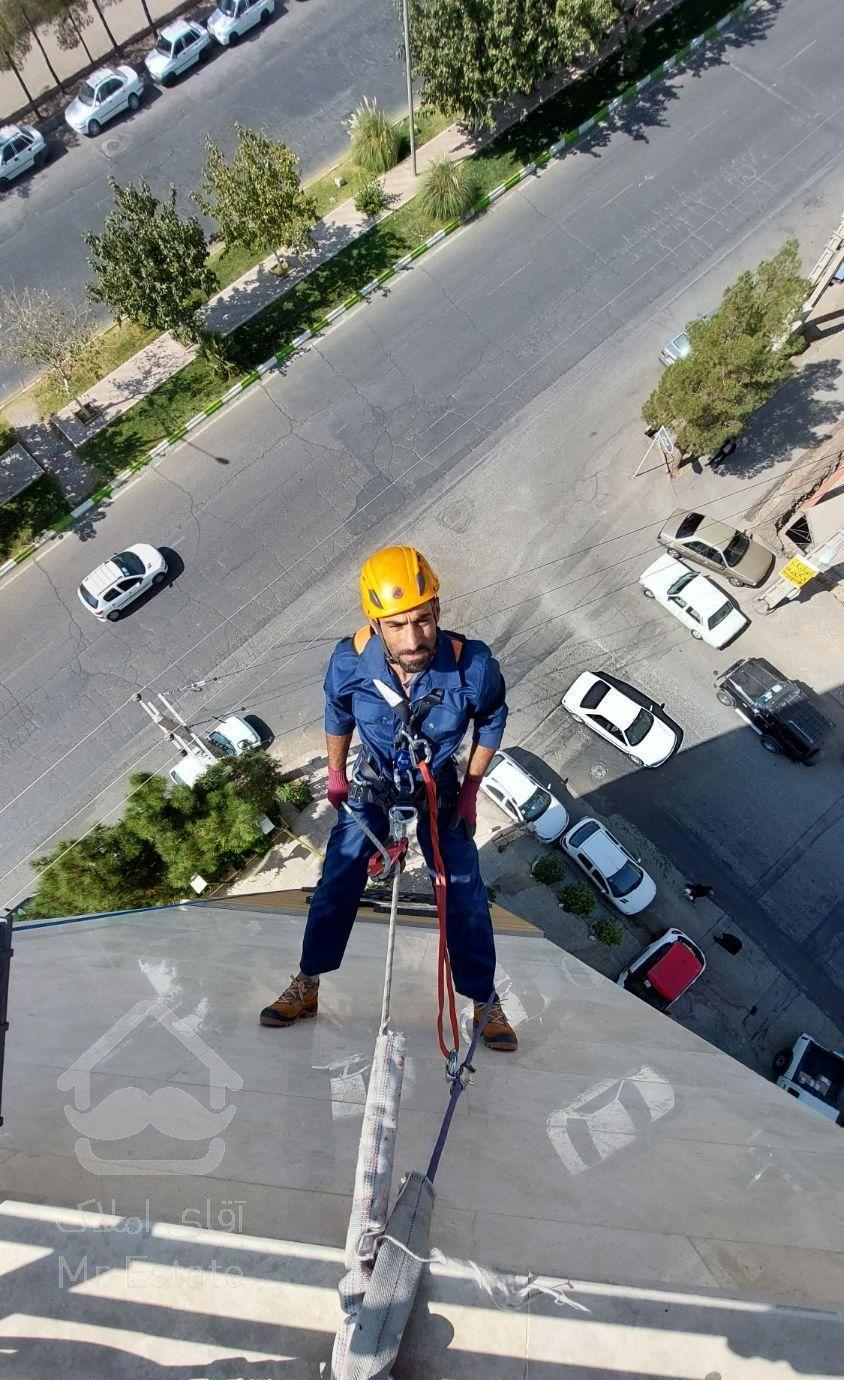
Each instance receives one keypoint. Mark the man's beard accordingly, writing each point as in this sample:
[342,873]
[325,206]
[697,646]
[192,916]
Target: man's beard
[415,662]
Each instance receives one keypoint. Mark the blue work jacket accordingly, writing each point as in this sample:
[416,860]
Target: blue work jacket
[473,692]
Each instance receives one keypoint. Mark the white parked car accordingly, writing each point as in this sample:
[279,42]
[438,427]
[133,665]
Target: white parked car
[105,94]
[231,738]
[709,613]
[522,798]
[118,582]
[622,715]
[233,18]
[179,46]
[21,148]
[609,866]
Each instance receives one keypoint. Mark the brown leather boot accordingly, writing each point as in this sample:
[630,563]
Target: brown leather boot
[497,1032]
[297,1003]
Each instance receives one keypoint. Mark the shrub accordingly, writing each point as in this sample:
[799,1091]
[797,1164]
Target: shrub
[448,189]
[578,899]
[548,869]
[295,793]
[371,198]
[608,932]
[214,349]
[375,142]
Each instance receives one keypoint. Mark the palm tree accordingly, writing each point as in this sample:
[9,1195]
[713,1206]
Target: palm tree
[34,31]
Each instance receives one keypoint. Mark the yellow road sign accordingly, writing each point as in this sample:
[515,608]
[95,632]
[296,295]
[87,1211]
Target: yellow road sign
[797,571]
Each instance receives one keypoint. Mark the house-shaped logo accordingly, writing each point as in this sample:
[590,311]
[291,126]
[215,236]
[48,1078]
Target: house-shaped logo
[128,1111]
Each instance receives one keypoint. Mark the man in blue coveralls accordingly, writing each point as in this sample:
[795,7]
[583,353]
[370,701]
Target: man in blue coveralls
[442,682]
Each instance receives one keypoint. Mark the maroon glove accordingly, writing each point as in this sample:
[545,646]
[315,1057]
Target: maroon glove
[466,810]
[338,788]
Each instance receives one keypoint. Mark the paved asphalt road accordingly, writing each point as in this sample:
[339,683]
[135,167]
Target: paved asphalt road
[486,407]
[300,78]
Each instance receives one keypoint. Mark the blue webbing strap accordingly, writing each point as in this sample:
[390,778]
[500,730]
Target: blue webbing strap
[458,1083]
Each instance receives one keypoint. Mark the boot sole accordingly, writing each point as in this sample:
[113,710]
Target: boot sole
[280,1021]
[499,1049]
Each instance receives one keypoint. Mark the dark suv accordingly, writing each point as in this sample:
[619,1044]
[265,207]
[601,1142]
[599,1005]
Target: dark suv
[785,716]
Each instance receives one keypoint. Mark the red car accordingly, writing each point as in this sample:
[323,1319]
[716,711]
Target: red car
[666,970]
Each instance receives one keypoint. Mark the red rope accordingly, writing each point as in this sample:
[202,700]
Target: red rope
[444,983]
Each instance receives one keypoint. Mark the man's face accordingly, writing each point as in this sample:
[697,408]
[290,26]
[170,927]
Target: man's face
[411,638]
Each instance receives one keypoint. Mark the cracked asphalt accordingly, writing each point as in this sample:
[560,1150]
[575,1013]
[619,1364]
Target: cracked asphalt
[299,78]
[486,407]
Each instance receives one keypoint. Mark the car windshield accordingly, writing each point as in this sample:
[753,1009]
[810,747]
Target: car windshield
[583,833]
[163,46]
[691,522]
[720,614]
[738,547]
[88,596]
[86,94]
[222,741]
[228,8]
[535,806]
[625,880]
[128,563]
[684,580]
[640,727]
[594,695]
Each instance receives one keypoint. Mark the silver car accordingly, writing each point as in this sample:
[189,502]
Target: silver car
[718,546]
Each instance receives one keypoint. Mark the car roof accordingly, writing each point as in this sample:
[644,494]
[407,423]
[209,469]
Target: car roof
[706,597]
[618,708]
[176,28]
[9,131]
[101,74]
[191,767]
[508,773]
[233,724]
[103,577]
[675,971]
[602,850]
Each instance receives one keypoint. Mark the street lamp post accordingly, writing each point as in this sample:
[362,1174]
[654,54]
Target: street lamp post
[406,20]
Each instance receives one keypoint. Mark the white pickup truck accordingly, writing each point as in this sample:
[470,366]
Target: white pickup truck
[814,1075]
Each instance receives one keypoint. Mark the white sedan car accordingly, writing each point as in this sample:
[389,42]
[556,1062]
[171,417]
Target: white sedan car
[21,148]
[232,19]
[626,718]
[522,798]
[609,866]
[179,46]
[118,582]
[708,613]
[231,738]
[105,94]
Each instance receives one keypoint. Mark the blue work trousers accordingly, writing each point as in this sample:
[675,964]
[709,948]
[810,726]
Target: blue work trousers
[332,912]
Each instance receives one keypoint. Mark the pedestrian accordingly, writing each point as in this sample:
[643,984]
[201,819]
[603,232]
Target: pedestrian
[442,683]
[697,891]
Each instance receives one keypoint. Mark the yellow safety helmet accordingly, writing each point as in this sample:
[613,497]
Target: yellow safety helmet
[395,580]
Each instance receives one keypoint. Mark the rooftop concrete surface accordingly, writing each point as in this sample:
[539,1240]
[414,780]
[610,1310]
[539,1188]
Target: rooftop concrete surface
[689,1210]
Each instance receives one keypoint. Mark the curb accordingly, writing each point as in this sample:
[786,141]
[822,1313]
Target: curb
[320,327]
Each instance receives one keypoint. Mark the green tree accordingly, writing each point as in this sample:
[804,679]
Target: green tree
[150,264]
[472,55]
[109,869]
[257,199]
[734,365]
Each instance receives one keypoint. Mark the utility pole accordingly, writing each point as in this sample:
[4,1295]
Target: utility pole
[406,19]
[824,270]
[178,731]
[799,571]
